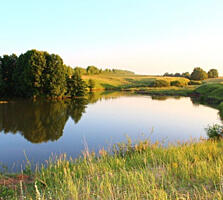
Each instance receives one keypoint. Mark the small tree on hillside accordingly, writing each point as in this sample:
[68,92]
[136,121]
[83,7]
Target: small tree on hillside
[91,84]
[213,73]
[198,74]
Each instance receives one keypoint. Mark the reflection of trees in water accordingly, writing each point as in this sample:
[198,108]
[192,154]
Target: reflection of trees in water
[77,108]
[163,98]
[39,121]
[199,100]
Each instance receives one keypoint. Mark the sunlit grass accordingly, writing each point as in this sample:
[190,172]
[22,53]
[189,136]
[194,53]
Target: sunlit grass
[191,170]
[104,81]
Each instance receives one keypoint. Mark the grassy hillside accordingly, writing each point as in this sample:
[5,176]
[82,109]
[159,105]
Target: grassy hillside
[110,81]
[143,171]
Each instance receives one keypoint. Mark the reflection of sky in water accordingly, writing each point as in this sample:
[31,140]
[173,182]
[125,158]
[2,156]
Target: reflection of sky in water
[108,121]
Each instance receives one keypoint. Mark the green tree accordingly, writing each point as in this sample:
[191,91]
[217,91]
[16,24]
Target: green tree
[8,65]
[54,76]
[28,73]
[213,73]
[186,75]
[80,70]
[92,70]
[91,84]
[198,74]
[76,85]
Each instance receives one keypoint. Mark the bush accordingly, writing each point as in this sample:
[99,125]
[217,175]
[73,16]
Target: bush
[215,131]
[160,83]
[178,83]
[194,82]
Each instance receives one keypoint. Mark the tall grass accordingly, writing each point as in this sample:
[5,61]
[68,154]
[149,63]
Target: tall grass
[191,170]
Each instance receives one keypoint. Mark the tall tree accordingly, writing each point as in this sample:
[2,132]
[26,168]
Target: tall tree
[54,76]
[28,73]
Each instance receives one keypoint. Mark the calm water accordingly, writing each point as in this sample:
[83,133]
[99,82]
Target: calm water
[43,127]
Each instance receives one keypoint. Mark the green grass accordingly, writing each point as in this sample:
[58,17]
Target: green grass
[167,91]
[121,82]
[143,171]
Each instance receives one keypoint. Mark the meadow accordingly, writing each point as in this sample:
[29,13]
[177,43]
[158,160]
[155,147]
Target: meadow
[190,170]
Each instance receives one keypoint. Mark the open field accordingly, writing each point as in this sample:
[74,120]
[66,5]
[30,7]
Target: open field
[104,81]
[141,171]
[214,80]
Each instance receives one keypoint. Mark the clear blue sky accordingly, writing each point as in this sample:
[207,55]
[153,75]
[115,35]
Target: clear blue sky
[146,36]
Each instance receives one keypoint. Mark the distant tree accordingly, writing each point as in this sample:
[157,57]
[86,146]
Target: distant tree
[7,67]
[92,70]
[91,84]
[213,73]
[186,75]
[177,74]
[80,70]
[198,74]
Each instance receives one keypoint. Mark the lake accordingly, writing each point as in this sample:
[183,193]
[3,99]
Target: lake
[41,128]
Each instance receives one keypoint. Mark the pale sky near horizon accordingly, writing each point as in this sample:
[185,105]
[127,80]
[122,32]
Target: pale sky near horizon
[145,36]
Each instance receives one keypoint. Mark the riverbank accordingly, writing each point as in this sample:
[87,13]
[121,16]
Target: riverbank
[211,94]
[143,171]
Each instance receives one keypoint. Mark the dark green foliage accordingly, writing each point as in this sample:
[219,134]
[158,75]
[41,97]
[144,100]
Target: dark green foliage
[38,73]
[213,73]
[194,82]
[54,76]
[28,73]
[215,131]
[75,85]
[91,84]
[7,67]
[160,83]
[198,74]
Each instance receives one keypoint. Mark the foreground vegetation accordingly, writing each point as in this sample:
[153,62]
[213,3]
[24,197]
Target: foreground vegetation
[141,171]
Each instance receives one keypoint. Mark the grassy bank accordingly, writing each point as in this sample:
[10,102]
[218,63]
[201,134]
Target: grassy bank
[166,91]
[145,171]
[211,94]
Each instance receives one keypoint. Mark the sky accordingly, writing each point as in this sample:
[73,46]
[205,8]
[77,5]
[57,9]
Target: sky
[144,36]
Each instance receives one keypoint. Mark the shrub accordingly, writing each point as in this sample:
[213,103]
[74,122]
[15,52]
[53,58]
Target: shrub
[160,83]
[194,82]
[215,131]
[178,83]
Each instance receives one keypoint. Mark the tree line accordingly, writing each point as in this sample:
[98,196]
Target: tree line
[93,70]
[38,73]
[197,74]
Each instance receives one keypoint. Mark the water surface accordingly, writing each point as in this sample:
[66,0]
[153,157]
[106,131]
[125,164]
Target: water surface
[42,128]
